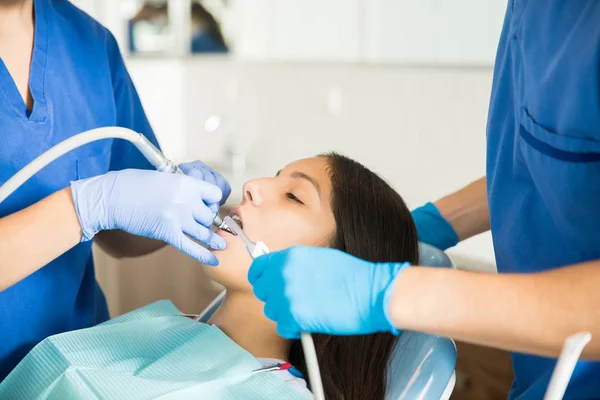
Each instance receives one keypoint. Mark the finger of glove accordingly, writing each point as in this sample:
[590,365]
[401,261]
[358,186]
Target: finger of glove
[270,310]
[221,182]
[260,265]
[204,235]
[208,192]
[203,214]
[190,170]
[196,251]
[288,330]
[214,208]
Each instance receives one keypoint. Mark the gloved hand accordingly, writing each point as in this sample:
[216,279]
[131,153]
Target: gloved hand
[154,204]
[201,171]
[321,290]
[434,229]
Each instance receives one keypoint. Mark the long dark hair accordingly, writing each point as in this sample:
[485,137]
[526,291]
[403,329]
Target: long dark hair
[372,223]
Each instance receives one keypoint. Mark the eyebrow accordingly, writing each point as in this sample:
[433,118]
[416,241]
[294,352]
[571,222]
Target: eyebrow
[302,175]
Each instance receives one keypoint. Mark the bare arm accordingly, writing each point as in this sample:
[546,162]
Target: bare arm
[121,244]
[467,209]
[31,238]
[534,313]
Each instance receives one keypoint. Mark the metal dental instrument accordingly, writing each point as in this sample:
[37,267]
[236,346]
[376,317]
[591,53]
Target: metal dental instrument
[257,249]
[219,223]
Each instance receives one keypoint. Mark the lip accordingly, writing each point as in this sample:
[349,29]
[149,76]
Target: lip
[237,212]
[234,211]
[224,234]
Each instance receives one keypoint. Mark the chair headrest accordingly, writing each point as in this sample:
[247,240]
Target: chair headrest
[421,366]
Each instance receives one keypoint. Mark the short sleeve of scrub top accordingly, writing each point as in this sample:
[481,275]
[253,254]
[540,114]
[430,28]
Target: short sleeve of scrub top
[78,81]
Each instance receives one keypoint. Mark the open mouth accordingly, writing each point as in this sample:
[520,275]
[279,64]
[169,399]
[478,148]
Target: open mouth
[236,217]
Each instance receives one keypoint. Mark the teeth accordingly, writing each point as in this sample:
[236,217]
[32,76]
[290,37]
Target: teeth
[238,220]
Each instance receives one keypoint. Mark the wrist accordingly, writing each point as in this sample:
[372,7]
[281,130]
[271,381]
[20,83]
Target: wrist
[386,289]
[433,228]
[89,206]
[67,214]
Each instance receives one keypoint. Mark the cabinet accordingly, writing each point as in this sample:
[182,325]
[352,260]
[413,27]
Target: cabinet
[456,32]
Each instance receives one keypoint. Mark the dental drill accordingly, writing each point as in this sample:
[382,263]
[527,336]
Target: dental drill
[257,249]
[152,154]
[219,223]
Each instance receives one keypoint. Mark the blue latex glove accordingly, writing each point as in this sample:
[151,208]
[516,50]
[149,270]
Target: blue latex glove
[153,204]
[434,229]
[201,171]
[321,290]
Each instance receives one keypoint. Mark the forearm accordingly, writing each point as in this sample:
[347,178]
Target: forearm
[529,313]
[31,238]
[121,244]
[467,209]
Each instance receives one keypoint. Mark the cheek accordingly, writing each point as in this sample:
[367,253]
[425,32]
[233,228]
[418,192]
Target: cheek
[283,230]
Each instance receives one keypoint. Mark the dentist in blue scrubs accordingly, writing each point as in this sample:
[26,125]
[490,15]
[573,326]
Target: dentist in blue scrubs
[541,198]
[61,73]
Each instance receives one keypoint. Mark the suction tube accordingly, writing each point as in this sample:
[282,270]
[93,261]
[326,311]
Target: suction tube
[565,365]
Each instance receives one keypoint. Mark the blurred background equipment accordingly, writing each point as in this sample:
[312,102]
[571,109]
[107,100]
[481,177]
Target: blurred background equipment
[149,30]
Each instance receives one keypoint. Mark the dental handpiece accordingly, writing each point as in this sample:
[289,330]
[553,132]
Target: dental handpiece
[257,249]
[145,147]
[219,223]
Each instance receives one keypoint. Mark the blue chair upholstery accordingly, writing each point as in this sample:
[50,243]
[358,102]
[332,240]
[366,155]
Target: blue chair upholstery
[421,365]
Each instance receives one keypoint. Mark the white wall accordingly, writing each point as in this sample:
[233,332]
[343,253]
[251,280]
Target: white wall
[456,32]
[441,32]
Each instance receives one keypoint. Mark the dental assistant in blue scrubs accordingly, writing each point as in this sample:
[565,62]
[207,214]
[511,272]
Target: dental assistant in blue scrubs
[541,195]
[61,73]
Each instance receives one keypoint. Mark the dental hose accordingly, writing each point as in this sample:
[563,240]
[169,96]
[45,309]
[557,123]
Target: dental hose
[161,163]
[312,364]
[152,154]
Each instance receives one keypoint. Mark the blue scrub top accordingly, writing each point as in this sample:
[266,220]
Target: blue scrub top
[78,81]
[543,157]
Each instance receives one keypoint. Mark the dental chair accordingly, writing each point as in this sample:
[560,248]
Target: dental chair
[421,366]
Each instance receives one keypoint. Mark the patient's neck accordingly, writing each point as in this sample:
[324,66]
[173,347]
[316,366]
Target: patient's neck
[241,318]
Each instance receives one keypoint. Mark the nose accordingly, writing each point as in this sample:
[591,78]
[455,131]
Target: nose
[254,192]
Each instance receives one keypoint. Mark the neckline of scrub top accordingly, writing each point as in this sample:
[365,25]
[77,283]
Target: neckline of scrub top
[37,71]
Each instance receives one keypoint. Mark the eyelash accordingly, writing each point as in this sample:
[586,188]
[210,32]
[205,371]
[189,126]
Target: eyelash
[294,198]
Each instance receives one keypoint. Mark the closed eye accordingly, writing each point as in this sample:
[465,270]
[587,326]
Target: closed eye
[294,198]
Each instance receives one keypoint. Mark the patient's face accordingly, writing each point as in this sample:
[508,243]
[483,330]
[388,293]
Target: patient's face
[289,209]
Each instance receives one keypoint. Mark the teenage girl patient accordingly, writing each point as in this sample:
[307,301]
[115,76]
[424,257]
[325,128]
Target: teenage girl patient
[329,201]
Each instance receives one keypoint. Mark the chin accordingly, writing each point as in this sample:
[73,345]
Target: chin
[232,271]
